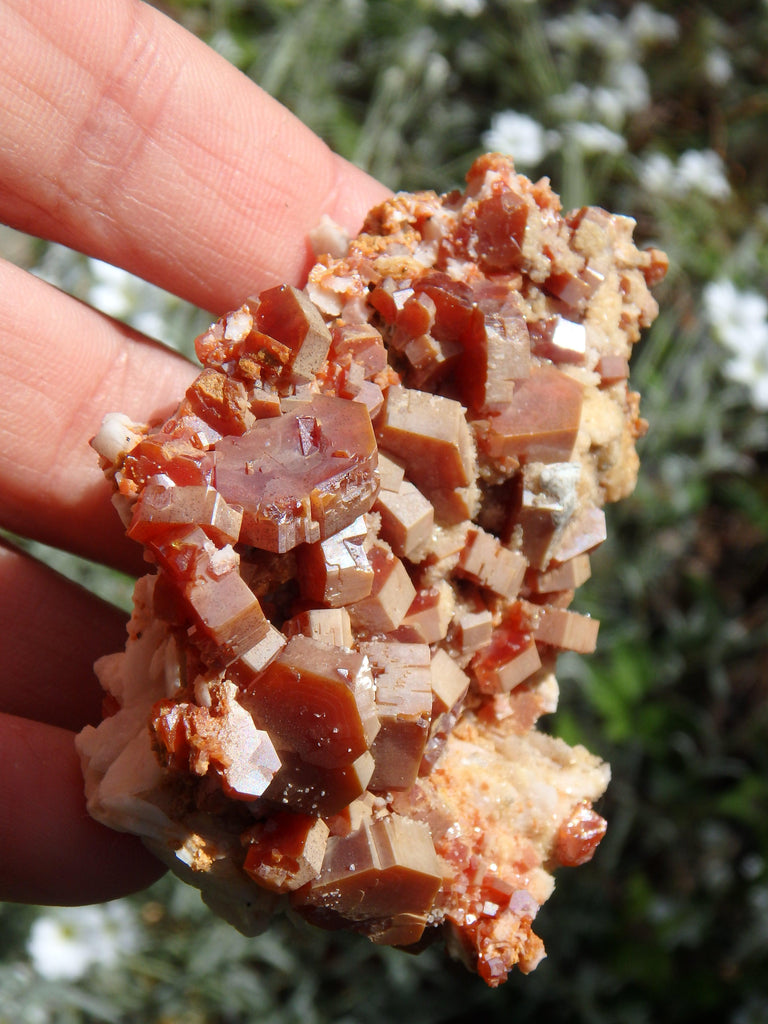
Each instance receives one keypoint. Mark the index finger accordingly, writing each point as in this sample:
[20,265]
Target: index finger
[136,143]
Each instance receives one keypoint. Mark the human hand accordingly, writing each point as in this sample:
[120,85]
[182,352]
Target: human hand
[122,136]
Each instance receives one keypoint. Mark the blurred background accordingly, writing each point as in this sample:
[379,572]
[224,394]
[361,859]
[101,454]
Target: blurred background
[658,110]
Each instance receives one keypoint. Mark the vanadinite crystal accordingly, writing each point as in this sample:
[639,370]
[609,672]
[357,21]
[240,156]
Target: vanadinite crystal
[367,519]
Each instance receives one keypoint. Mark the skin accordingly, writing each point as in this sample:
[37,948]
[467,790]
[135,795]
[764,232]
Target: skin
[130,141]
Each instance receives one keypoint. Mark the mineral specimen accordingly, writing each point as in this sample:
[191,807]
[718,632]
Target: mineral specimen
[366,520]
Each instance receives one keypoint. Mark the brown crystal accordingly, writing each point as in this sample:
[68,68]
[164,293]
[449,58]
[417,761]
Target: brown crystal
[312,789]
[430,436]
[565,629]
[225,615]
[449,683]
[497,352]
[302,476]
[429,615]
[391,596]
[163,505]
[488,563]
[407,519]
[220,401]
[286,851]
[579,836]
[500,226]
[541,422]
[316,701]
[286,314]
[221,738]
[508,660]
[328,625]
[383,875]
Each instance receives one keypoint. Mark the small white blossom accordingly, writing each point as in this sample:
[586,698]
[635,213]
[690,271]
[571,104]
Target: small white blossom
[734,312]
[619,41]
[739,320]
[695,171]
[629,82]
[626,91]
[703,170]
[471,8]
[582,28]
[574,104]
[657,174]
[649,27]
[717,67]
[518,136]
[609,106]
[593,138]
[65,943]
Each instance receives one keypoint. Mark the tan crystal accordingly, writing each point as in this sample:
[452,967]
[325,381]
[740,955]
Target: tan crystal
[449,683]
[328,625]
[407,519]
[337,571]
[486,561]
[403,681]
[391,595]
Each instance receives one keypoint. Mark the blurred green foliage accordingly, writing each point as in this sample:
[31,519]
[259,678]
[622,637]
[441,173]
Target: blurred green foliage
[670,921]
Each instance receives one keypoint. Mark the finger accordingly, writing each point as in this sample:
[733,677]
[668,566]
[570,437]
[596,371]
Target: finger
[136,143]
[63,367]
[52,632]
[51,850]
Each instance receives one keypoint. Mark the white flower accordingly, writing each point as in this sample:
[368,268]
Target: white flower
[609,106]
[697,170]
[629,82]
[592,138]
[657,173]
[518,136]
[739,320]
[733,312]
[717,66]
[574,104]
[582,28]
[619,40]
[703,169]
[753,373]
[625,91]
[648,27]
[469,7]
[64,943]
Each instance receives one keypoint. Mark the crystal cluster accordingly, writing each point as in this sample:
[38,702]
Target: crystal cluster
[366,521]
